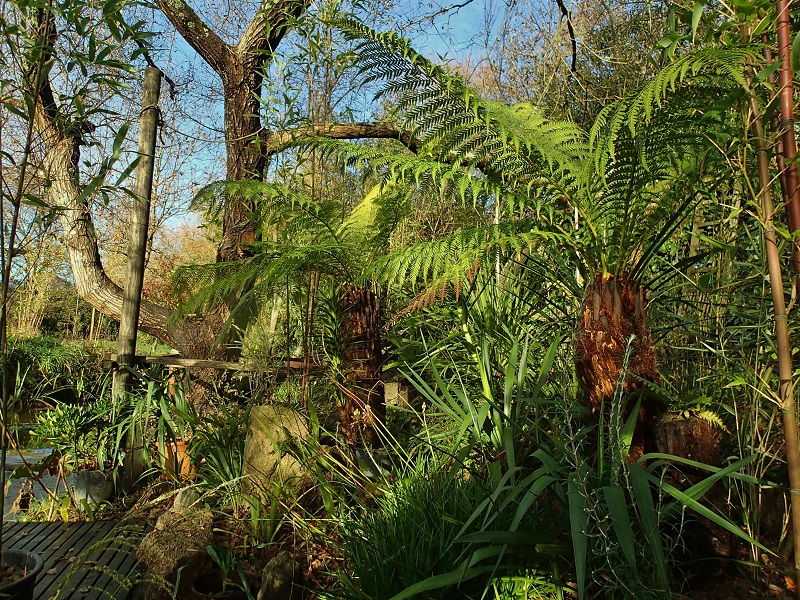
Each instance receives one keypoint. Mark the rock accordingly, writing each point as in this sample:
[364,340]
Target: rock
[175,548]
[90,488]
[265,460]
[278,580]
[185,499]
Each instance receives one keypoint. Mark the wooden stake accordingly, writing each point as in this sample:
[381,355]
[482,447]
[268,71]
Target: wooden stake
[137,247]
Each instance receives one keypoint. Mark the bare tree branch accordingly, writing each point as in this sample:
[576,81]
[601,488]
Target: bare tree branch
[276,141]
[571,31]
[206,42]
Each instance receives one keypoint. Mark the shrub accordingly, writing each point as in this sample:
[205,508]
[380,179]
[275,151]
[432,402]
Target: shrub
[47,368]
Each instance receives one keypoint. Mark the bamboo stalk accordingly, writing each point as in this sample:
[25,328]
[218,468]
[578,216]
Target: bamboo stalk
[137,248]
[786,389]
[788,141]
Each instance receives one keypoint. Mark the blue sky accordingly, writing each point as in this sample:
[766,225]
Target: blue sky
[457,33]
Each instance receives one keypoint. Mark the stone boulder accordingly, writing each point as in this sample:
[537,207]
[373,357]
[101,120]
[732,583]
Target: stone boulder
[279,579]
[266,462]
[90,488]
[186,499]
[174,552]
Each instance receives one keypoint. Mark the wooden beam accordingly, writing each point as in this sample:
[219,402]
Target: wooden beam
[110,361]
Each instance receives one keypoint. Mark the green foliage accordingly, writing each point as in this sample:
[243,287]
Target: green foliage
[411,536]
[570,491]
[453,125]
[705,77]
[314,236]
[604,203]
[48,369]
[218,449]
[82,435]
[231,572]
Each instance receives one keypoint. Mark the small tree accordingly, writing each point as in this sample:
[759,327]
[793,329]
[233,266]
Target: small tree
[321,239]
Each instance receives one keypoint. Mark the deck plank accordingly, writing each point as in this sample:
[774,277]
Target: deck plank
[78,555]
[24,538]
[69,561]
[93,581]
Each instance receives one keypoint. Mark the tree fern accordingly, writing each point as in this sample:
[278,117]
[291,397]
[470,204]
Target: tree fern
[604,197]
[312,236]
[613,198]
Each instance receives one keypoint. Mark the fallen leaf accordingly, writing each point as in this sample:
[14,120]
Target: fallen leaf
[51,572]
[790,583]
[25,534]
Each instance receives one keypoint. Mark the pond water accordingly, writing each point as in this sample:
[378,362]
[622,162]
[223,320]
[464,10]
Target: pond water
[13,460]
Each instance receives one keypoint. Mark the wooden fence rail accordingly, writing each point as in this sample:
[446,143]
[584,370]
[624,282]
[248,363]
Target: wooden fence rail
[292,366]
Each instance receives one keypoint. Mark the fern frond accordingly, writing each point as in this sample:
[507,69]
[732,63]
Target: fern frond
[454,125]
[701,76]
[453,259]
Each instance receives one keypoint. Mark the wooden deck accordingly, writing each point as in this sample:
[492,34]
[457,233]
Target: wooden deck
[84,561]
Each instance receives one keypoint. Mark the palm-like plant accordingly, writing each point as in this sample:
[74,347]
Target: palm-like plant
[600,206]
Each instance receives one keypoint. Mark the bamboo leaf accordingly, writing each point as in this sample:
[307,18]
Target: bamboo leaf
[795,55]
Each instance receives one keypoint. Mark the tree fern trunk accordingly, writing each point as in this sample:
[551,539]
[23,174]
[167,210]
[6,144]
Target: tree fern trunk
[614,323]
[363,409]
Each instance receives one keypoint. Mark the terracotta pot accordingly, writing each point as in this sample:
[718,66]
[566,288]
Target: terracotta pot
[177,460]
[32,563]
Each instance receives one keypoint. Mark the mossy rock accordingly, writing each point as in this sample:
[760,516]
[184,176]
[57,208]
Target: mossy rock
[177,544]
[267,464]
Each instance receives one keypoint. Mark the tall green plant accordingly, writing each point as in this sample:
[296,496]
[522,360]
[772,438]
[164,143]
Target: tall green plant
[584,215]
[333,245]
[595,515]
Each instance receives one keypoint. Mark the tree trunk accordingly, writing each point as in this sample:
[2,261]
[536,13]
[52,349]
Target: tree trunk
[245,158]
[614,324]
[363,411]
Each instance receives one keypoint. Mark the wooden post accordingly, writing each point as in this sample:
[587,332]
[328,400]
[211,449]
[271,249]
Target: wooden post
[137,248]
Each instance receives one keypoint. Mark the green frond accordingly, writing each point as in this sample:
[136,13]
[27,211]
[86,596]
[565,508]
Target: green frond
[453,259]
[454,125]
[701,76]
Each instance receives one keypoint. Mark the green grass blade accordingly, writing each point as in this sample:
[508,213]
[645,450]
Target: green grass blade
[578,522]
[618,508]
